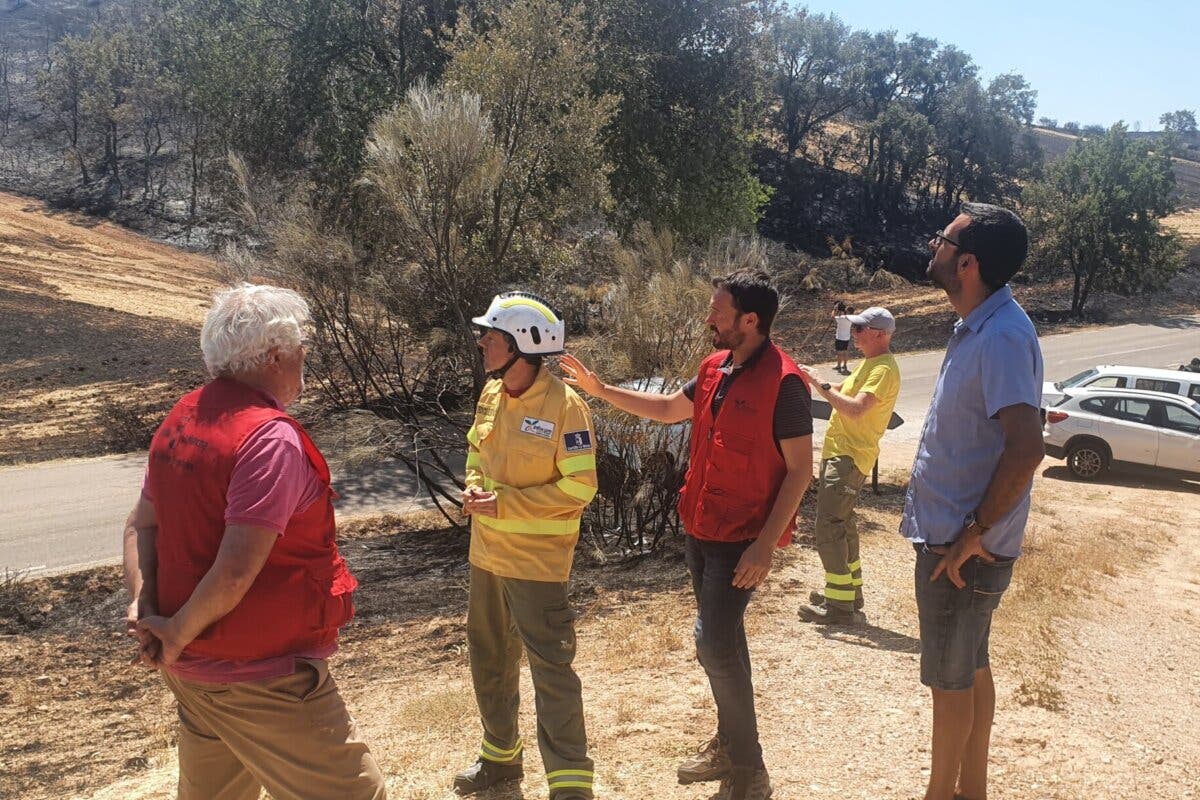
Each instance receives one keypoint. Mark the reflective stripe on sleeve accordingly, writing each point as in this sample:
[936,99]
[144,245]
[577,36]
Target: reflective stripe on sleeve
[537,527]
[569,466]
[577,489]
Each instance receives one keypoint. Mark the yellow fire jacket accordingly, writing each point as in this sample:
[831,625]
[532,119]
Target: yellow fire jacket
[537,453]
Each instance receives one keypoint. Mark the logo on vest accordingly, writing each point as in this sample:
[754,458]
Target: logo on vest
[543,428]
[578,440]
[742,406]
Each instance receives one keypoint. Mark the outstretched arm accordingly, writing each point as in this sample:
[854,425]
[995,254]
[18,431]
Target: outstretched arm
[669,408]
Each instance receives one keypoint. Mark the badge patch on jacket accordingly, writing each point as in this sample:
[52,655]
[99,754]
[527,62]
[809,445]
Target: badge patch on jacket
[578,440]
[538,427]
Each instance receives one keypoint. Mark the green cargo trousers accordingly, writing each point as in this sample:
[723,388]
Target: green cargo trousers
[837,531]
[502,615]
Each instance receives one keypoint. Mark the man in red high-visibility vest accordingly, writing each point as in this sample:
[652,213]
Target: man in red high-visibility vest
[750,462]
[237,587]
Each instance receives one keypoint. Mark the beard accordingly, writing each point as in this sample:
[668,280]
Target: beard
[730,340]
[946,282]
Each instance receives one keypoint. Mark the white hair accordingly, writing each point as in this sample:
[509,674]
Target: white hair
[248,320]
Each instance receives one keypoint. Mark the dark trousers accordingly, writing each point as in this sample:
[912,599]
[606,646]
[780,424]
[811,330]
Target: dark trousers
[721,644]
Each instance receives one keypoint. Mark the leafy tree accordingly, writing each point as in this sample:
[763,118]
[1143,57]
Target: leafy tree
[533,71]
[1071,127]
[1047,122]
[1178,126]
[469,185]
[1098,212]
[690,78]
[817,71]
[1182,122]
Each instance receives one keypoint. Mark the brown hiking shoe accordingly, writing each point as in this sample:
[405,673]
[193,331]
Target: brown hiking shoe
[746,783]
[710,763]
[484,774]
[817,598]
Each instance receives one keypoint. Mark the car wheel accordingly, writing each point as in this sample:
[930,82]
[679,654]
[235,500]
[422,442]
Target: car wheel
[1087,460]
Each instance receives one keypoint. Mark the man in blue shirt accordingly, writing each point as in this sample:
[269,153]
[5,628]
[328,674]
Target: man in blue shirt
[968,498]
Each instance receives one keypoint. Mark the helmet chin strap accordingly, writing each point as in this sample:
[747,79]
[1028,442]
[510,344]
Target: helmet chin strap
[500,373]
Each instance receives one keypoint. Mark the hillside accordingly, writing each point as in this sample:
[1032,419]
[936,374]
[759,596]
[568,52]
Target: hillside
[1187,173]
[90,314]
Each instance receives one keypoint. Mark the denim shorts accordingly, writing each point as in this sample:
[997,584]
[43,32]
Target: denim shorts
[956,623]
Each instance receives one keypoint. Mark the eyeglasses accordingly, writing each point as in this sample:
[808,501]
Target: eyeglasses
[943,238]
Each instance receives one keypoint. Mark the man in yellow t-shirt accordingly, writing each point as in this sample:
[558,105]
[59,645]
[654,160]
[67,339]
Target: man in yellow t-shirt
[862,406]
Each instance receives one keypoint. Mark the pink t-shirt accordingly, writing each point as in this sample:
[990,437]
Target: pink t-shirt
[272,480]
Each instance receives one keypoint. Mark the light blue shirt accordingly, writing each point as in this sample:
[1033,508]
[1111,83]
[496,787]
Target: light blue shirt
[993,361]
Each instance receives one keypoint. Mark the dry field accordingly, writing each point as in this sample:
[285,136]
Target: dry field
[89,313]
[1096,647]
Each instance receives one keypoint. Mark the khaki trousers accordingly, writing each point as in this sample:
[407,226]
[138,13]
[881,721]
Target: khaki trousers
[502,615]
[291,735]
[837,531]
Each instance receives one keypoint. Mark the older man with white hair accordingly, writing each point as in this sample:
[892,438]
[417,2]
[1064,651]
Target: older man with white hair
[237,585]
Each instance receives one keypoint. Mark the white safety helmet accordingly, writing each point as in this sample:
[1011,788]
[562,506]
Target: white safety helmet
[529,320]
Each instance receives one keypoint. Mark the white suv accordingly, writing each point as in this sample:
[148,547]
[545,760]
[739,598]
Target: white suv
[1114,376]
[1096,428]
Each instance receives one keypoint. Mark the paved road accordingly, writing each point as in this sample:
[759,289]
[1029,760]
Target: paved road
[68,514]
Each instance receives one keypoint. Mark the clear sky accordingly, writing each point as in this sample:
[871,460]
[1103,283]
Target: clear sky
[1091,62]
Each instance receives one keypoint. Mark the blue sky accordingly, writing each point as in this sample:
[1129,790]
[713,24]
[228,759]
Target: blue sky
[1095,62]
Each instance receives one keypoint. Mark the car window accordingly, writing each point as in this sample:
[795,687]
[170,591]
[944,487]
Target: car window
[1108,382]
[1096,405]
[1130,410]
[1154,385]
[1194,391]
[1075,379]
[1180,419]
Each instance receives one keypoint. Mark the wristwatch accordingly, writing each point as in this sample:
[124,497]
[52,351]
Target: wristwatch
[827,386]
[972,521]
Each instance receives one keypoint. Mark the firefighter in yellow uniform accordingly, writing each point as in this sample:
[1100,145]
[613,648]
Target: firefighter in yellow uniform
[531,470]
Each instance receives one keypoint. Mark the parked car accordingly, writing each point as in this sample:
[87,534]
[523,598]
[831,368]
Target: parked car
[1113,376]
[1094,429]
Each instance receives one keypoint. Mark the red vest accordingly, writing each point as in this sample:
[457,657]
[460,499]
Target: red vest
[735,468]
[303,593]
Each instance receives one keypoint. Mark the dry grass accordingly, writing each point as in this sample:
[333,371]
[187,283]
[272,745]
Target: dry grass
[1065,564]
[643,636]
[1187,224]
[89,314]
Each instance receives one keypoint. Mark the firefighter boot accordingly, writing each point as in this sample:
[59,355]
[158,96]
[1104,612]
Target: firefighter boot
[831,615]
[483,774]
[710,763]
[817,598]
